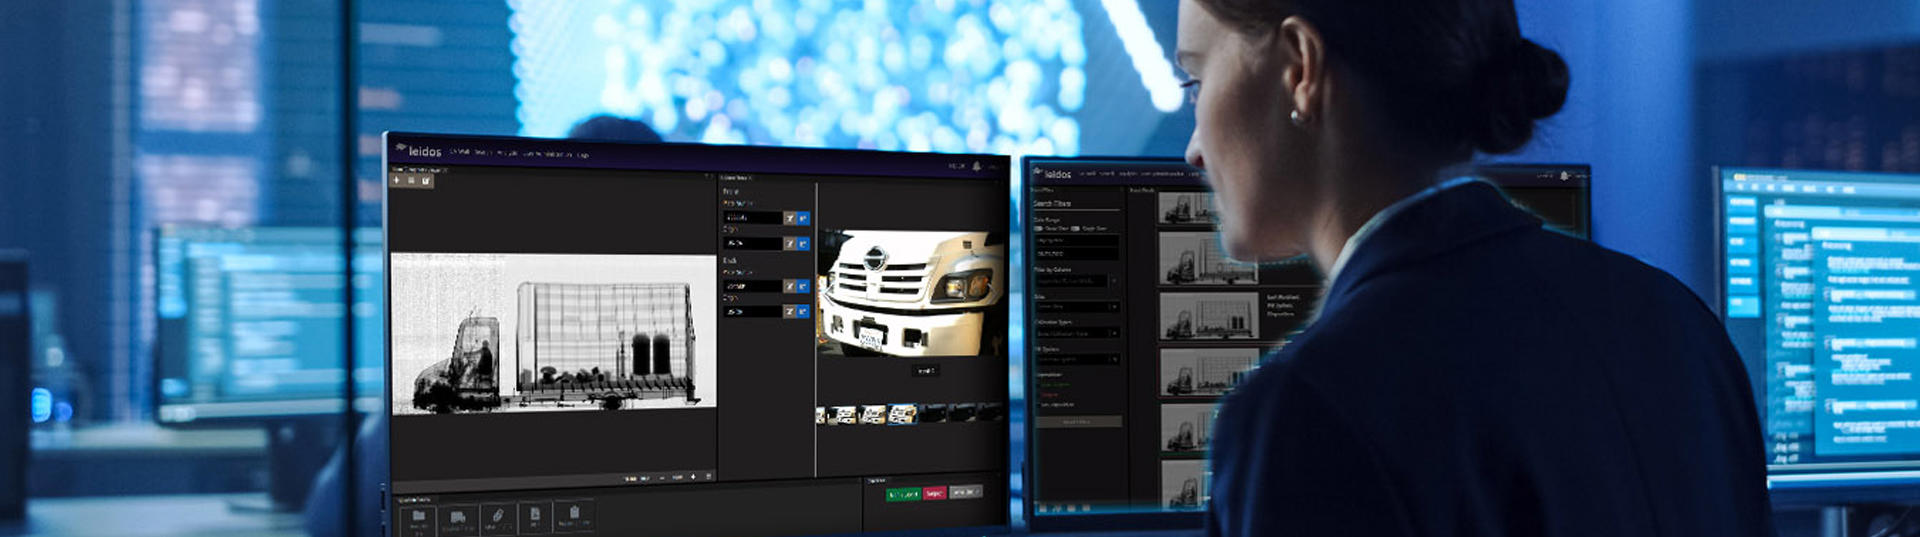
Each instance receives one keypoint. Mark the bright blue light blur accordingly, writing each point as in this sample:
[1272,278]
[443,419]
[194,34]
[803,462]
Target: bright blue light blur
[1001,76]
[42,405]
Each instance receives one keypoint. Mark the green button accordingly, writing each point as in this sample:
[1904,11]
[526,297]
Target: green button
[904,494]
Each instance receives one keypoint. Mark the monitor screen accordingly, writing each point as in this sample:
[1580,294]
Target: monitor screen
[638,339]
[1820,299]
[1140,324]
[249,322]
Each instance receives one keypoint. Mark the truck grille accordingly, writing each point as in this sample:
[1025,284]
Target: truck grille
[905,282]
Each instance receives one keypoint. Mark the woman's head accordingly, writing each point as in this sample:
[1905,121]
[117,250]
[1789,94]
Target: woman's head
[1295,98]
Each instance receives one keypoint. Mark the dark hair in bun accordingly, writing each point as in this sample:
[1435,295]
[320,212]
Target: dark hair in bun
[1525,85]
[1456,74]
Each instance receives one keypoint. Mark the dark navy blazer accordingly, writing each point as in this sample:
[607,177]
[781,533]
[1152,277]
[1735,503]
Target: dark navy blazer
[1473,374]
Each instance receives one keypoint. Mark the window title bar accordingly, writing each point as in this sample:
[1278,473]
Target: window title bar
[1112,171]
[455,150]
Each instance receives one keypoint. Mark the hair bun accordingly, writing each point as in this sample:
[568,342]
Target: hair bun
[1525,84]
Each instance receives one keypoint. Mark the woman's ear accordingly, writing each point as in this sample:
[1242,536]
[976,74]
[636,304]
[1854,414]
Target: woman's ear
[1305,74]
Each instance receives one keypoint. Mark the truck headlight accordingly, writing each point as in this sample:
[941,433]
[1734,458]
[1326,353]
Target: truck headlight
[963,286]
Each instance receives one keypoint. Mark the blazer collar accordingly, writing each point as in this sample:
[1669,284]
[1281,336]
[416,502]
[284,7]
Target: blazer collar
[1450,219]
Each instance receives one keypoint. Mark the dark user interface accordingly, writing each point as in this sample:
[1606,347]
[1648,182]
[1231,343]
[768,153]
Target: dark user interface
[658,340]
[1819,273]
[1141,324]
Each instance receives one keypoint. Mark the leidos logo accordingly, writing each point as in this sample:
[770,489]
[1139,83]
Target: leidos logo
[1057,175]
[421,151]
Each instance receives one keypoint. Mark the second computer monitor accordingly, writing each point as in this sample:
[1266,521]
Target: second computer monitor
[1140,323]
[1818,293]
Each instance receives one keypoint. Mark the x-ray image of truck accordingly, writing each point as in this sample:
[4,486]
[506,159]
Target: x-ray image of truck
[1187,208]
[1204,372]
[1198,259]
[582,343]
[607,343]
[1186,427]
[537,332]
[1184,484]
[1202,316]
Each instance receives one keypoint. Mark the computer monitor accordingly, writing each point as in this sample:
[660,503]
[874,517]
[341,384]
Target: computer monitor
[683,340]
[249,324]
[1139,324]
[17,413]
[1560,194]
[1818,285]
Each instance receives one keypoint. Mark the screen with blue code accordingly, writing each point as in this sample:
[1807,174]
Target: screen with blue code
[1819,283]
[249,322]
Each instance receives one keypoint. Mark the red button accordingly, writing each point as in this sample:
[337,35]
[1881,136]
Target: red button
[933,493]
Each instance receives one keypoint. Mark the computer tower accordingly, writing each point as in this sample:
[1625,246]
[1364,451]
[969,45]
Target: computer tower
[14,373]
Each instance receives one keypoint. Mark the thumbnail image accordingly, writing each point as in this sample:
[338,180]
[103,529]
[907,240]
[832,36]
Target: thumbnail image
[1183,484]
[912,293]
[933,413]
[903,414]
[1204,372]
[990,412]
[531,333]
[962,412]
[843,415]
[1196,258]
[1203,316]
[1187,208]
[1186,427]
[873,414]
[909,414]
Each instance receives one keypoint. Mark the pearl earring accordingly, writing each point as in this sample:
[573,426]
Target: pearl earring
[1299,119]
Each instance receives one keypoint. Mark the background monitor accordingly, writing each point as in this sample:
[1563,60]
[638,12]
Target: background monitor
[249,323]
[1820,273]
[21,408]
[653,339]
[1140,324]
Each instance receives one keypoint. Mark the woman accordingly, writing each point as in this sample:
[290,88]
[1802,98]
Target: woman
[1469,373]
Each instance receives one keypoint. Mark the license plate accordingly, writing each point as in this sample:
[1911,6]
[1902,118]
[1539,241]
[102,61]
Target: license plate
[872,337]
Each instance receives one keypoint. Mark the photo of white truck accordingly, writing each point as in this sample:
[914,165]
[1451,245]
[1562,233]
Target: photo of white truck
[913,293]
[1198,259]
[1190,316]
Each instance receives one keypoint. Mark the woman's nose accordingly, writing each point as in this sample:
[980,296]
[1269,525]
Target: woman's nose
[1193,152]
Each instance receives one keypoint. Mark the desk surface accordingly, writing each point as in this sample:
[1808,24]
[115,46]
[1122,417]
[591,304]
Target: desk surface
[154,516]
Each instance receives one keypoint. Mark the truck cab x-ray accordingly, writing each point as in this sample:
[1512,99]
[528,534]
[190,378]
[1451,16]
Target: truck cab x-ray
[916,293]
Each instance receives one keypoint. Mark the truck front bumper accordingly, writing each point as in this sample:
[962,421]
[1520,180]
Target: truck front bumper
[935,333]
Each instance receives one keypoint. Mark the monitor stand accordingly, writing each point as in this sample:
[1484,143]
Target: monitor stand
[1872,520]
[296,451]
